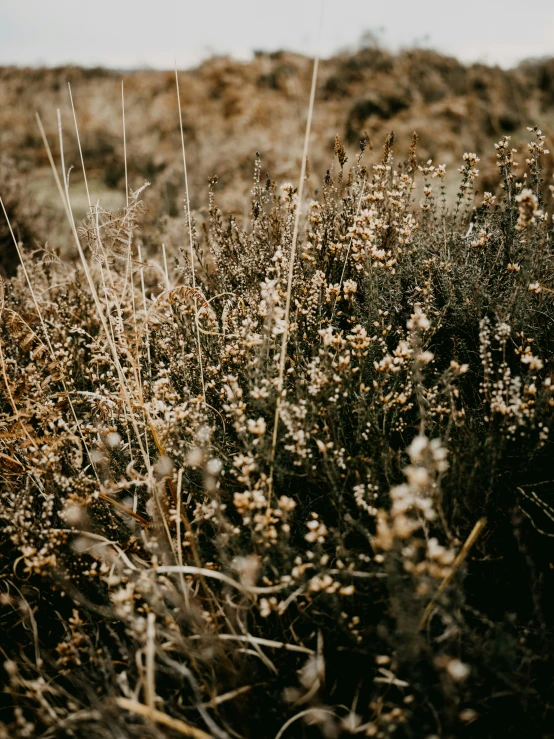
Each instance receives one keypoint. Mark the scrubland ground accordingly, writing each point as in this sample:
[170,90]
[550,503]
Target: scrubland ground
[232,110]
[288,475]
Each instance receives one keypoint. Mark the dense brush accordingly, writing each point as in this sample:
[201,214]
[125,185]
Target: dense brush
[382,565]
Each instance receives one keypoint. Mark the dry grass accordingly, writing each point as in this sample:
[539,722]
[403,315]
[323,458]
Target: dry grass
[170,565]
[232,109]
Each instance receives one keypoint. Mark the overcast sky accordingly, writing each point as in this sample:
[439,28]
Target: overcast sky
[137,33]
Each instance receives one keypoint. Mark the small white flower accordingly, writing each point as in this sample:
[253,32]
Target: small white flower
[257,428]
[457,669]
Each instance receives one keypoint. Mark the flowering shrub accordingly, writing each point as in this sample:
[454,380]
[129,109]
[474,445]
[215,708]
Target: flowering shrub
[194,544]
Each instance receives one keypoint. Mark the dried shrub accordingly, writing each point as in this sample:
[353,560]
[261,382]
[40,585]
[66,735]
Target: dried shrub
[188,549]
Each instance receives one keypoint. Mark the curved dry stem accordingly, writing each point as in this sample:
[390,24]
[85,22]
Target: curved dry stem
[215,575]
[301,714]
[189,229]
[285,339]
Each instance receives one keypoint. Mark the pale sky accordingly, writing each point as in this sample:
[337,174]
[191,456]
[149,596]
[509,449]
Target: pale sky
[139,33]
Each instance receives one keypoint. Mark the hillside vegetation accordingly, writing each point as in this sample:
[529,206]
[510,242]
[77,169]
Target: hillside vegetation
[232,110]
[289,474]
